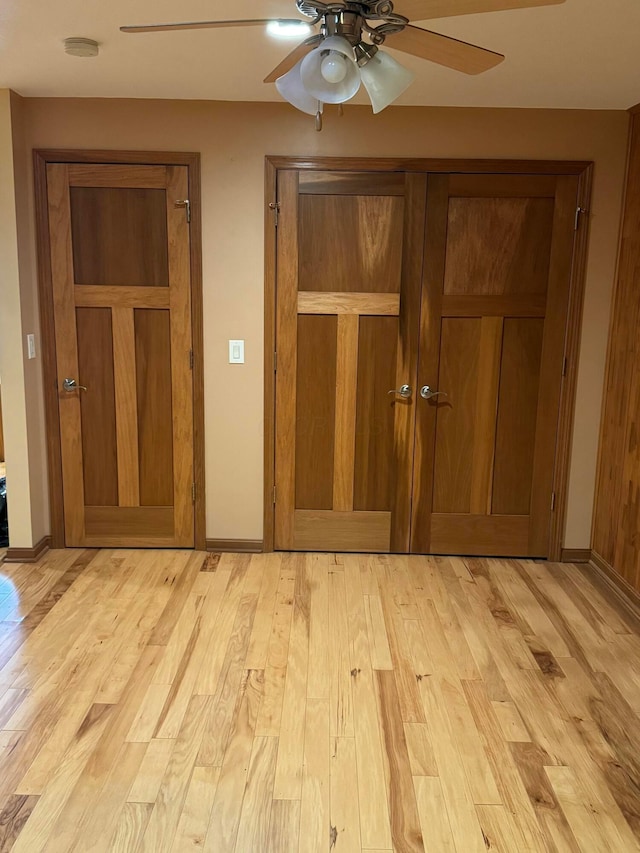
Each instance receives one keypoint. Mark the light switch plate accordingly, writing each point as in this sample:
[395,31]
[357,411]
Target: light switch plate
[236,352]
[31,346]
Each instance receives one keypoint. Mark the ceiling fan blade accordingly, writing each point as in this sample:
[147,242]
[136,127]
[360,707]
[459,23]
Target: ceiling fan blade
[444,50]
[425,10]
[293,58]
[208,25]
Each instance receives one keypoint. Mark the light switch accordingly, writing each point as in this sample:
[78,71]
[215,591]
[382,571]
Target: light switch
[236,352]
[31,346]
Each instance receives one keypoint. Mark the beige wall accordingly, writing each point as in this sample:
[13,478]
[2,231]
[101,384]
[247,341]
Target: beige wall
[233,140]
[21,386]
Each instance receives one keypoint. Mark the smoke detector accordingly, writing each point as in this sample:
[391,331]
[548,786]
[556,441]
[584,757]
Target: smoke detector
[81,47]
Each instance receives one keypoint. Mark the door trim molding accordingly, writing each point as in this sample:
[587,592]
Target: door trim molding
[41,157]
[584,171]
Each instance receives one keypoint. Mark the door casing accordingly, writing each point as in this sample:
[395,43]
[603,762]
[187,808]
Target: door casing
[584,172]
[54,459]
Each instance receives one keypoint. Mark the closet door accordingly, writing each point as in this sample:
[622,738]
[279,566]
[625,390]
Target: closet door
[348,303]
[121,280]
[495,299]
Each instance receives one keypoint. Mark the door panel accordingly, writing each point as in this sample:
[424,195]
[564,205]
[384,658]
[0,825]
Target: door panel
[494,313]
[98,411]
[122,310]
[134,220]
[347,324]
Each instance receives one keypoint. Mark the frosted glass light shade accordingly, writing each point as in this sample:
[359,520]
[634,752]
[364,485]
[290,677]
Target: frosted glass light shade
[313,80]
[385,80]
[292,89]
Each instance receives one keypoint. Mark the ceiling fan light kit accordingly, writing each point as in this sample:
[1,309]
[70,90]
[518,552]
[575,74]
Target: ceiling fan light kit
[330,66]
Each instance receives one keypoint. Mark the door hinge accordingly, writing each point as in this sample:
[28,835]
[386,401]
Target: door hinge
[565,364]
[275,362]
[191,359]
[193,492]
[553,501]
[184,202]
[580,211]
[274,495]
[275,206]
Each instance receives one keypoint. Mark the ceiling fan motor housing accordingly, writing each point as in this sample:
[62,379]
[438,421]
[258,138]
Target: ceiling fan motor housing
[351,19]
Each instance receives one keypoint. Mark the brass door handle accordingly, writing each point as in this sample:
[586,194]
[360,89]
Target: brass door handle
[402,391]
[427,394]
[72,385]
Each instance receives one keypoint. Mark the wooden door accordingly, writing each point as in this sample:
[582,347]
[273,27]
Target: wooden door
[497,272]
[120,270]
[348,301]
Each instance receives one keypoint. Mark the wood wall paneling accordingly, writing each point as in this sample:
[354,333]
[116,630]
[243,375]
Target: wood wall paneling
[617,506]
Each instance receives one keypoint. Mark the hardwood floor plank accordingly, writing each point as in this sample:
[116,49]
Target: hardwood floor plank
[97,827]
[288,784]
[404,670]
[198,804]
[14,815]
[372,794]
[344,820]
[130,828]
[151,773]
[257,653]
[315,799]
[341,696]
[163,701]
[406,833]
[436,827]
[275,674]
[163,823]
[253,831]
[318,678]
[227,804]
[284,830]
[420,749]
[220,720]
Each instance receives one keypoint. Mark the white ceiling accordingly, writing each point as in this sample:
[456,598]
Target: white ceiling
[584,54]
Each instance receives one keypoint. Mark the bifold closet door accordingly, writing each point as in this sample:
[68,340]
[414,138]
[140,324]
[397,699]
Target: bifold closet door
[498,262]
[121,279]
[348,303]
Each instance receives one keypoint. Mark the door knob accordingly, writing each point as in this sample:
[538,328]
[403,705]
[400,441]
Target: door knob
[402,391]
[72,385]
[427,394]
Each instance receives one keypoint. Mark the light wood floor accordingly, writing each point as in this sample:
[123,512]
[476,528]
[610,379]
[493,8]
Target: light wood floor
[170,701]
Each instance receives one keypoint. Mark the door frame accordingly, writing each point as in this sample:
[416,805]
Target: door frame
[41,157]
[580,168]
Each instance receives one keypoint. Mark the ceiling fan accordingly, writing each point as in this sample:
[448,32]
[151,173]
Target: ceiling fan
[329,66]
